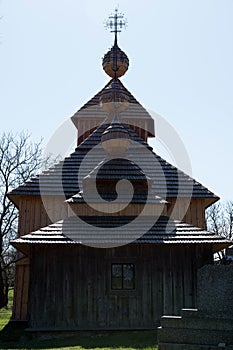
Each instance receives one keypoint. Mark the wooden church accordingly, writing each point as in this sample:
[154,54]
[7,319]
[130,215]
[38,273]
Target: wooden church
[112,236]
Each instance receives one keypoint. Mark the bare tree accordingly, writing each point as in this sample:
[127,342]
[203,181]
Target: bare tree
[229,221]
[219,219]
[20,159]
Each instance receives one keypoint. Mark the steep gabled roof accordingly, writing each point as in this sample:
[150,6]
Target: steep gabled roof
[94,101]
[62,178]
[164,231]
[135,110]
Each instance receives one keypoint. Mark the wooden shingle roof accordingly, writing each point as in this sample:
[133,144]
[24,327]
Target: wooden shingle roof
[62,179]
[164,231]
[135,110]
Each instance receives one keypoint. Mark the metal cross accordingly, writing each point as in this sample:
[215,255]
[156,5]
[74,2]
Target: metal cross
[116,22]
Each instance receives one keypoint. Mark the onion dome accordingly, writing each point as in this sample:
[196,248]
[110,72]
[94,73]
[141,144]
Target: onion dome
[115,57]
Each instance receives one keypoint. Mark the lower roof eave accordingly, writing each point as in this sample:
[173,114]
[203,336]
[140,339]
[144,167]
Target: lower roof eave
[24,246]
[21,247]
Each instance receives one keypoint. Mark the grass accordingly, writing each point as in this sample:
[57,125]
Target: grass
[13,336]
[5,313]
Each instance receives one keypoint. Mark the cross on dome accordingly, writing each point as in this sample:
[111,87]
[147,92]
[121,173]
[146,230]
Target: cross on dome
[116,22]
[115,62]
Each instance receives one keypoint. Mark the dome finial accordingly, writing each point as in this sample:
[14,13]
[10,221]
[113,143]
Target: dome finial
[115,62]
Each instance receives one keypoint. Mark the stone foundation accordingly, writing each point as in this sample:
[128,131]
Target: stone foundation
[211,325]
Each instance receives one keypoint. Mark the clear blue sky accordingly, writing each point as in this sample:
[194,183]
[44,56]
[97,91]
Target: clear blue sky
[181,66]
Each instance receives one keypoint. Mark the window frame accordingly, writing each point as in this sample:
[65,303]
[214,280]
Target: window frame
[122,289]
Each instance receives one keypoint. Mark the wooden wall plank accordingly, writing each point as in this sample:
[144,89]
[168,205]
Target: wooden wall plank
[25,286]
[83,298]
[18,295]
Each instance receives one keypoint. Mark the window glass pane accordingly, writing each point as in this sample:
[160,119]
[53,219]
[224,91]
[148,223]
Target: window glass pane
[116,276]
[116,270]
[128,276]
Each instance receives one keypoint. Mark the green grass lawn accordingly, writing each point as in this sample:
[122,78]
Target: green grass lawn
[5,313]
[12,336]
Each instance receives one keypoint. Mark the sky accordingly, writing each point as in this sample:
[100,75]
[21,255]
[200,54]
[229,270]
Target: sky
[180,52]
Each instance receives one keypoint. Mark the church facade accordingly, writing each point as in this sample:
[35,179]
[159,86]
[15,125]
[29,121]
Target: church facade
[95,252]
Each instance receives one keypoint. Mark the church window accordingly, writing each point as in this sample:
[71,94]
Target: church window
[123,276]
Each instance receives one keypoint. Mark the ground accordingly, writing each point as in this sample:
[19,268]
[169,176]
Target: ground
[14,337]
